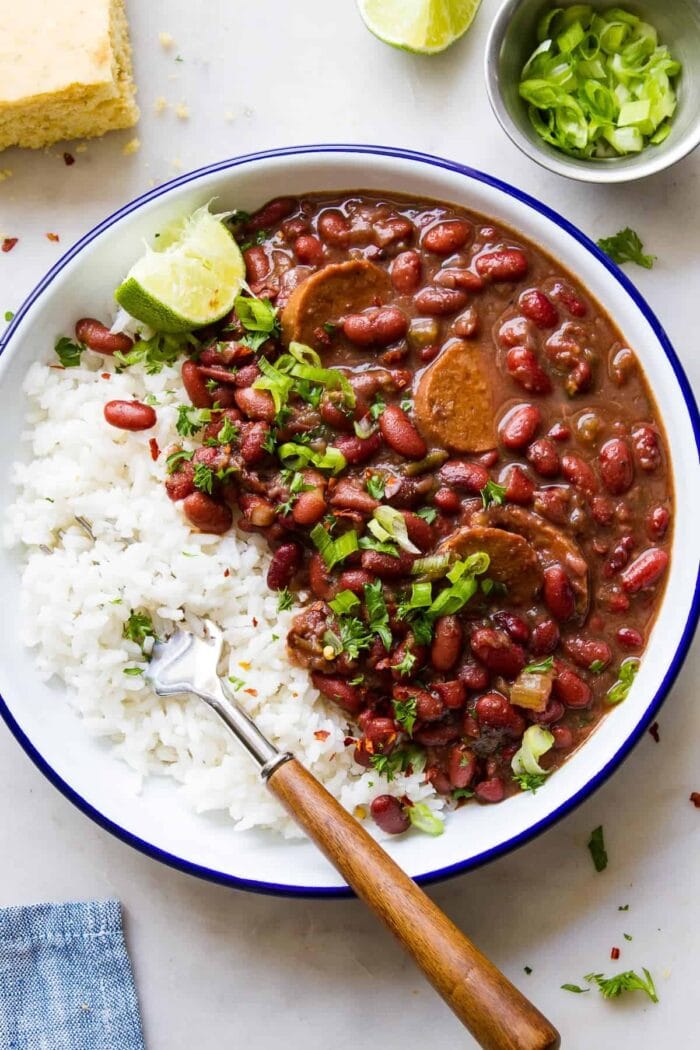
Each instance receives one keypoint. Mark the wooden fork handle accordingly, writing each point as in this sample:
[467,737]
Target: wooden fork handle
[495,1012]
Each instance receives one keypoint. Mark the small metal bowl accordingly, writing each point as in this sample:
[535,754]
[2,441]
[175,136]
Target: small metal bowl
[513,39]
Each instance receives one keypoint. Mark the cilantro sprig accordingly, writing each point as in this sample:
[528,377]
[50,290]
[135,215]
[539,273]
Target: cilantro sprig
[626,246]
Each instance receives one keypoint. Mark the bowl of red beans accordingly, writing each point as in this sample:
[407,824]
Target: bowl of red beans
[470,453]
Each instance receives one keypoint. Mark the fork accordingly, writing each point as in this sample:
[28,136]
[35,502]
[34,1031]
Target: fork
[496,1013]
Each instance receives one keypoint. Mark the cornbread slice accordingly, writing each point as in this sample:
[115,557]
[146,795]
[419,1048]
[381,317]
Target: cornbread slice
[65,71]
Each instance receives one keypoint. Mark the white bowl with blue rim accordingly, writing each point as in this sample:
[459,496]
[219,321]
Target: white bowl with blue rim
[157,821]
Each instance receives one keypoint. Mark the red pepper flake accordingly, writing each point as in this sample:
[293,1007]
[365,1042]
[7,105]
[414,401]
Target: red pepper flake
[614,953]
[227,572]
[695,799]
[105,375]
[654,731]
[53,236]
[9,243]
[255,621]
[251,692]
[321,734]
[155,450]
[68,159]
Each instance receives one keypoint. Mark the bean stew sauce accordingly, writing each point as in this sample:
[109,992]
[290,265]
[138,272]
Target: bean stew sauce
[464,482]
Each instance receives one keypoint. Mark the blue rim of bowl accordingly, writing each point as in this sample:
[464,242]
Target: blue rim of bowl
[286,890]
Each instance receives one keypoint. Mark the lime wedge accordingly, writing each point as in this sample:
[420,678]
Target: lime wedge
[423,26]
[189,279]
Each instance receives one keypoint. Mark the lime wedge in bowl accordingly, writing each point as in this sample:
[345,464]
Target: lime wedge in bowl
[423,26]
[190,279]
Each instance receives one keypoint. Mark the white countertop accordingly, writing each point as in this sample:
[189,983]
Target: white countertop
[216,967]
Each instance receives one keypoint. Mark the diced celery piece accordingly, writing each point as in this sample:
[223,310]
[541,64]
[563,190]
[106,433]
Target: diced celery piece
[634,113]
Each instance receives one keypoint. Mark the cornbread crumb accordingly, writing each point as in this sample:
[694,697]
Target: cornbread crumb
[182,111]
[166,40]
[81,147]
[160,105]
[65,71]
[132,146]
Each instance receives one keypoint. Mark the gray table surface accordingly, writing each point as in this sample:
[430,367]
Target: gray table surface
[217,967]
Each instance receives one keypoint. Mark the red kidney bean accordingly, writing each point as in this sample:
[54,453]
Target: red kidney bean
[429,708]
[519,487]
[308,250]
[339,690]
[519,426]
[645,571]
[389,815]
[309,507]
[461,766]
[355,580]
[461,474]
[538,308]
[451,277]
[437,302]
[358,450]
[630,638]
[586,651]
[657,520]
[544,638]
[98,337]
[568,298]
[395,228]
[447,501]
[214,458]
[195,385]
[406,272]
[447,643]
[508,264]
[602,510]
[559,432]
[647,450]
[347,495]
[616,466]
[334,228]
[180,483]
[497,651]
[429,353]
[420,532]
[257,510]
[453,693]
[386,566]
[467,324]
[333,413]
[525,369]
[563,738]
[253,448]
[444,238]
[544,457]
[473,675]
[256,404]
[618,557]
[377,327]
[257,264]
[571,689]
[285,562]
[246,376]
[271,213]
[517,332]
[491,790]
[578,473]
[513,624]
[130,415]
[558,593]
[218,373]
[320,579]
[552,713]
[381,733]
[207,514]
[293,228]
[401,434]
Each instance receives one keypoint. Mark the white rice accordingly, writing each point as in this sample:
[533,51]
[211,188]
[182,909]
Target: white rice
[77,594]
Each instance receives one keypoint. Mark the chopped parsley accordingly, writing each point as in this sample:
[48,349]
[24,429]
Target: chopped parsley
[574,988]
[596,666]
[191,419]
[390,765]
[203,478]
[237,683]
[351,637]
[627,936]
[493,493]
[405,713]
[623,907]
[377,612]
[133,671]
[626,246]
[162,349]
[405,664]
[541,666]
[596,845]
[285,600]
[369,543]
[377,406]
[295,485]
[228,432]
[375,485]
[428,514]
[530,781]
[68,352]
[462,793]
[138,628]
[629,981]
[176,459]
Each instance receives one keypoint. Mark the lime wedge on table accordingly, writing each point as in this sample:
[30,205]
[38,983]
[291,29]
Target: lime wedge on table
[424,26]
[189,279]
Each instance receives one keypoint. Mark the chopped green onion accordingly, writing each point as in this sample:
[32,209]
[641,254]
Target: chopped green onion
[423,818]
[625,677]
[535,743]
[344,602]
[392,524]
[434,566]
[541,666]
[297,456]
[332,551]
